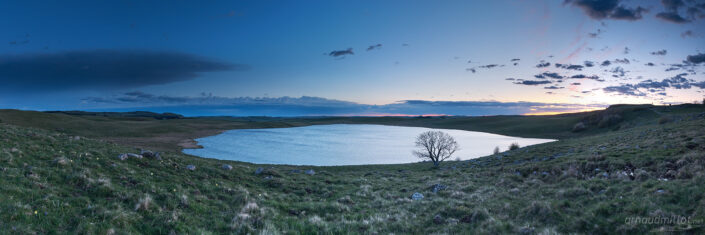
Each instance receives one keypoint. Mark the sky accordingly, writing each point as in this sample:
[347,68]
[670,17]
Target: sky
[302,58]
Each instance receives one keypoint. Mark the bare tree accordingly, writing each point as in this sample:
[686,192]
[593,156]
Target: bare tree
[436,146]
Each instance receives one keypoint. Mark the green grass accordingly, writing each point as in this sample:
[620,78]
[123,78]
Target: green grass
[78,186]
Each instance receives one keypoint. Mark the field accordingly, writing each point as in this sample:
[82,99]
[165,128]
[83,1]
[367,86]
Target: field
[60,173]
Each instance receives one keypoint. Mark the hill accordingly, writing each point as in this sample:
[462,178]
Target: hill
[600,180]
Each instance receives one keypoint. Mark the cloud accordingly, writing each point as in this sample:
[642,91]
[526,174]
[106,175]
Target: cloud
[341,53]
[621,61]
[553,87]
[471,70]
[582,76]
[569,66]
[605,63]
[103,69]
[589,63]
[549,75]
[209,105]
[623,13]
[626,50]
[532,82]
[543,64]
[649,64]
[575,84]
[654,87]
[618,72]
[608,9]
[696,59]
[623,90]
[489,66]
[515,59]
[372,47]
[687,33]
[659,52]
[672,5]
[672,17]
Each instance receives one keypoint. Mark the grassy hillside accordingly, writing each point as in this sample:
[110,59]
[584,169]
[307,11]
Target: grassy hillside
[52,181]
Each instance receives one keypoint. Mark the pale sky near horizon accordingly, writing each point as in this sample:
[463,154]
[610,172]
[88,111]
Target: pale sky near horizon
[91,54]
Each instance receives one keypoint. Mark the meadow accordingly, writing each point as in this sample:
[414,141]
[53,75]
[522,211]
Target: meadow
[62,173]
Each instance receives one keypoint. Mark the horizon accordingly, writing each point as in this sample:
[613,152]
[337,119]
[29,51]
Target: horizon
[325,58]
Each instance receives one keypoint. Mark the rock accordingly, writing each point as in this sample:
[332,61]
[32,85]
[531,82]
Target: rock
[310,172]
[416,196]
[437,187]
[438,219]
[147,154]
[259,171]
[660,191]
[122,157]
[158,156]
[61,161]
[227,167]
[526,230]
[134,155]
[191,167]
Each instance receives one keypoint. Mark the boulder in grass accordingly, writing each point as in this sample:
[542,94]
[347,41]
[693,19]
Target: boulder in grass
[122,157]
[61,161]
[191,167]
[147,154]
[310,172]
[416,196]
[227,167]
[134,155]
[259,171]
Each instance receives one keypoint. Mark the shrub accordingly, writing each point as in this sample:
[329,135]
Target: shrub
[496,150]
[514,146]
[578,127]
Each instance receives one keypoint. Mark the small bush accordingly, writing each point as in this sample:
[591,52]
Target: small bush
[578,127]
[514,146]
[496,150]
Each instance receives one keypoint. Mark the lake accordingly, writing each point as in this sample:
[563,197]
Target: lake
[341,144]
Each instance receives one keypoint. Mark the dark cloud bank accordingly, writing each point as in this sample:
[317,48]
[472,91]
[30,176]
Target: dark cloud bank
[103,69]
[208,105]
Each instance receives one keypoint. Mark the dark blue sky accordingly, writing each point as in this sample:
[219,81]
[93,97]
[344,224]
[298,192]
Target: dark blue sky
[221,56]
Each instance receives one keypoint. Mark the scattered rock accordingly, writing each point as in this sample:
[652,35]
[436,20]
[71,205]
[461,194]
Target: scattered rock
[310,172]
[227,167]
[149,154]
[61,161]
[438,219]
[660,191]
[122,157]
[438,187]
[346,200]
[134,155]
[526,230]
[191,167]
[416,196]
[259,171]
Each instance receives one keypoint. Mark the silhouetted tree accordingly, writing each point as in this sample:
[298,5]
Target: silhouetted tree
[436,146]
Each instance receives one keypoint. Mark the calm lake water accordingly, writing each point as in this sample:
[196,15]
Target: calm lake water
[341,144]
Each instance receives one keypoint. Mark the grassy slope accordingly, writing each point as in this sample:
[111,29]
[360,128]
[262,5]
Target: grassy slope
[79,186]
